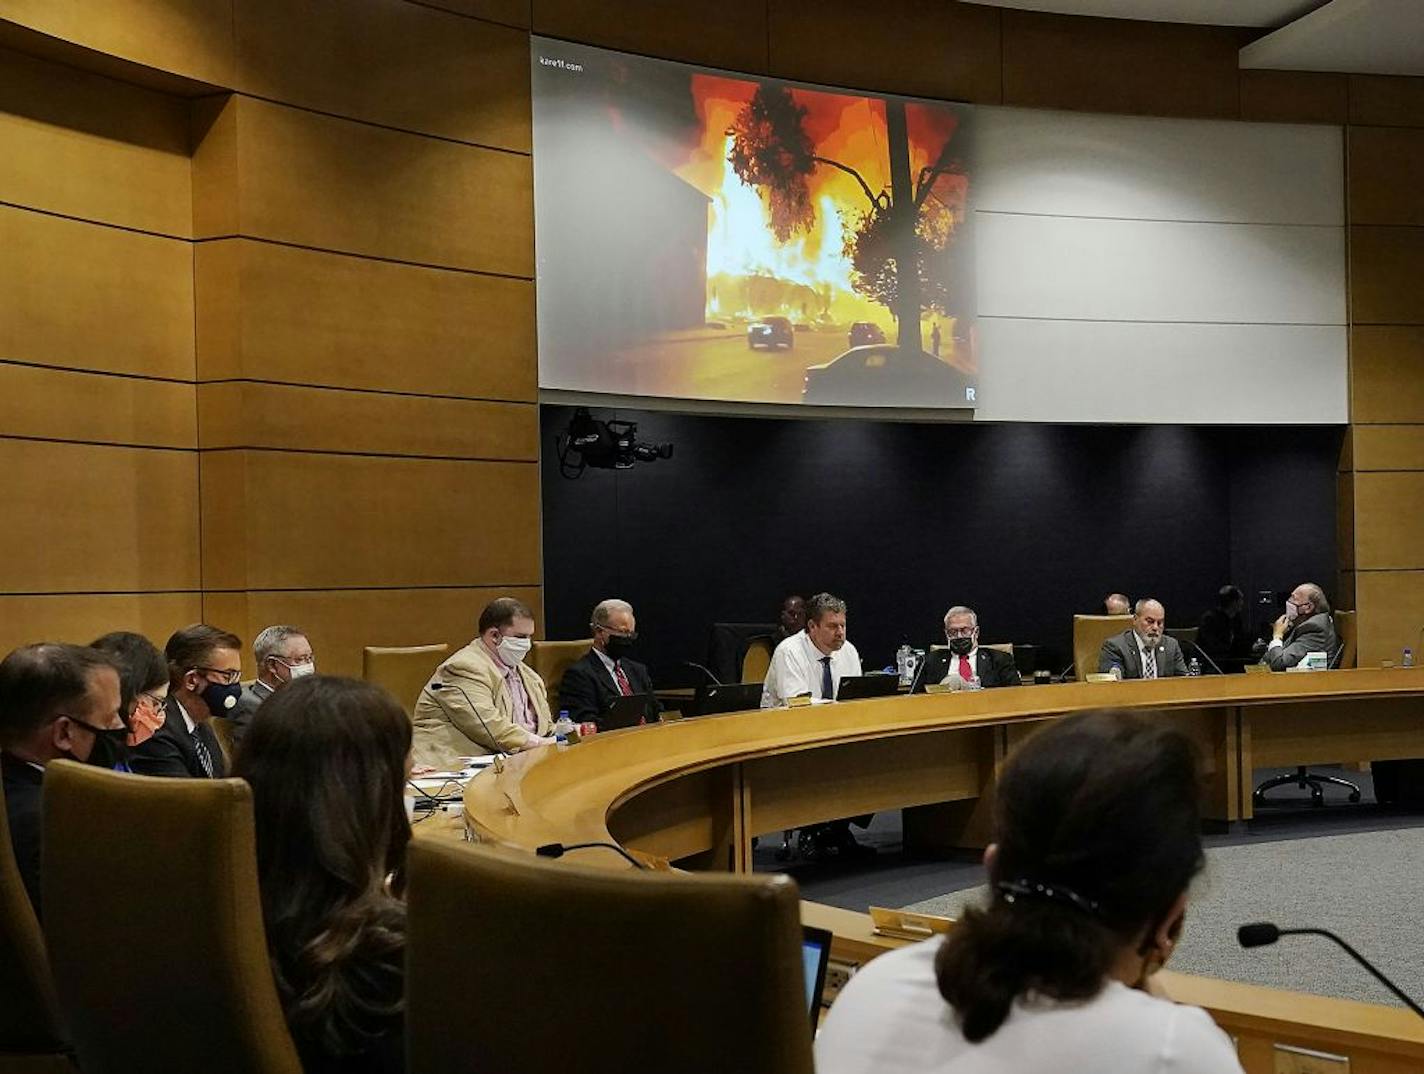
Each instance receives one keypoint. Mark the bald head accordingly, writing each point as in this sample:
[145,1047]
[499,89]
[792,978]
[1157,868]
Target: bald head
[1149,619]
[1116,604]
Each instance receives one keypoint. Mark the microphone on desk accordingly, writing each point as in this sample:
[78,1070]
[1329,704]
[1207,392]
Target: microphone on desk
[1202,653]
[436,687]
[1262,933]
[558,850]
[694,664]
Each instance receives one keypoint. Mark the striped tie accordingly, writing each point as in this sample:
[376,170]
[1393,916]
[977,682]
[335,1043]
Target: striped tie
[204,757]
[1150,672]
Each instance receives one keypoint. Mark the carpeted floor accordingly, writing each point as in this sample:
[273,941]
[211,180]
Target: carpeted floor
[1368,888]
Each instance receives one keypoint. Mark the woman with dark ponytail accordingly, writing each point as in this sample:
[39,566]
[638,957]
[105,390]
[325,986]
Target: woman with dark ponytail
[1098,839]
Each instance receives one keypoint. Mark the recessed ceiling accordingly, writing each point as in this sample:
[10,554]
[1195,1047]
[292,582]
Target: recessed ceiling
[1381,37]
[1269,13]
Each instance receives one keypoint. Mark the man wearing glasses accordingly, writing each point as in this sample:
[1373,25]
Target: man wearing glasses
[204,666]
[964,662]
[283,653]
[606,673]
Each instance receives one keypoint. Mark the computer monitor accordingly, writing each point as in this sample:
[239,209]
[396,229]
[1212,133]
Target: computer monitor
[858,687]
[815,956]
[710,698]
[628,711]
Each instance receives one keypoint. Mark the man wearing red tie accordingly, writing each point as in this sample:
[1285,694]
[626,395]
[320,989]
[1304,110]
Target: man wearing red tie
[606,673]
[966,663]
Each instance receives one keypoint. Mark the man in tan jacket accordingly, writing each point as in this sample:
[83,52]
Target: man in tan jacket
[484,699]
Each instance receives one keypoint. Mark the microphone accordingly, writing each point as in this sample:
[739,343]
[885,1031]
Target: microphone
[434,687]
[694,664]
[1262,933]
[1202,653]
[558,850]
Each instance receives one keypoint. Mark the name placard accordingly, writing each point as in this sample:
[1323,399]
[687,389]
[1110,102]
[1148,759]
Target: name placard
[1293,1060]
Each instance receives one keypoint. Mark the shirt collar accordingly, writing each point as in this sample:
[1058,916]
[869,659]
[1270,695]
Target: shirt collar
[186,718]
[607,660]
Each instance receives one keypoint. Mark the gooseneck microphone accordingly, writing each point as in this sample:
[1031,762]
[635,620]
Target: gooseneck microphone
[711,678]
[558,850]
[436,687]
[1203,654]
[1262,933]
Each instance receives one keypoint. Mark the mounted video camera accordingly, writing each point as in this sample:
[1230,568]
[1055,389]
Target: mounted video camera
[604,445]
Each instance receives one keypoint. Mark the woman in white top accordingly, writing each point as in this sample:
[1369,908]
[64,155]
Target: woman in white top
[1098,841]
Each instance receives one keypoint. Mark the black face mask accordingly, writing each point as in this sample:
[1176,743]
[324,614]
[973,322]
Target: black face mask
[111,747]
[618,647]
[961,646]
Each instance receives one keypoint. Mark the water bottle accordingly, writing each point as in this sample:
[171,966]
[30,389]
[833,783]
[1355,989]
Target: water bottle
[974,684]
[1193,667]
[1408,660]
[563,728]
[902,664]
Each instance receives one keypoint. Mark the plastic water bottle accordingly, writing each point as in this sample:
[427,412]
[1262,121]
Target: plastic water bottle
[902,664]
[1408,660]
[1193,667]
[563,728]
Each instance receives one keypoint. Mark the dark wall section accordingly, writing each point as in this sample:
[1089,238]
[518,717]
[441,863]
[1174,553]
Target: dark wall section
[1026,523]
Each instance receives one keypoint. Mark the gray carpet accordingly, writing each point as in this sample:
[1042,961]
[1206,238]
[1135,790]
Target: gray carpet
[1367,887]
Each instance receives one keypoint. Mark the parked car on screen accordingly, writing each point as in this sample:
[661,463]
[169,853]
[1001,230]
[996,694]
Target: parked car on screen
[864,333]
[886,375]
[771,332]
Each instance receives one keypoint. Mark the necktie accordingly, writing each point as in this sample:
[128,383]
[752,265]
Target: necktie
[1150,670]
[828,686]
[204,757]
[623,687]
[964,670]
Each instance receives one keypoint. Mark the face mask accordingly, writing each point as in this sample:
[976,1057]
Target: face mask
[220,697]
[110,749]
[299,671]
[512,650]
[961,646]
[1292,611]
[618,647]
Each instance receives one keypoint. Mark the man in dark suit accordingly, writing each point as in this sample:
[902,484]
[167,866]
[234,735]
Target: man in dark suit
[605,673]
[1306,627]
[204,665]
[965,661]
[1146,651]
[56,701]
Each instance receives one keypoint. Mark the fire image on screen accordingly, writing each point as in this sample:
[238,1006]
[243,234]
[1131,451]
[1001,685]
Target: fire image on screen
[705,235]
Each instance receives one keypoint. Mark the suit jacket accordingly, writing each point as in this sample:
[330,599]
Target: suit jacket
[588,689]
[24,787]
[253,694]
[1314,634]
[448,723]
[1121,651]
[170,752]
[993,667]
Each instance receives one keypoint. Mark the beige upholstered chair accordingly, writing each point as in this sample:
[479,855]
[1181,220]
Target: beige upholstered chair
[757,660]
[1089,633]
[154,925]
[654,971]
[1347,634]
[31,1039]
[552,658]
[403,670]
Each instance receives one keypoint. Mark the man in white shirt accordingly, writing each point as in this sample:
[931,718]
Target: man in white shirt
[812,661]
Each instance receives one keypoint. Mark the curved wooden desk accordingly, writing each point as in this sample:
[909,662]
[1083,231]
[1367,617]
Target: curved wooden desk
[696,791]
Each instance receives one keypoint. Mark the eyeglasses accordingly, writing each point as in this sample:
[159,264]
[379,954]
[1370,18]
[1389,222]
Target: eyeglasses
[154,701]
[227,676]
[960,632]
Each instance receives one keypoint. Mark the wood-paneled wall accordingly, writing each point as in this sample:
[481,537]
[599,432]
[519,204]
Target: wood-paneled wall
[270,352]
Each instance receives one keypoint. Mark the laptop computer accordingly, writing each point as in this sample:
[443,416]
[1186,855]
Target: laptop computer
[710,699]
[629,711]
[815,957]
[858,687]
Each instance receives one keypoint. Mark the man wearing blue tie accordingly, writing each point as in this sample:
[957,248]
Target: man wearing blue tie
[812,661]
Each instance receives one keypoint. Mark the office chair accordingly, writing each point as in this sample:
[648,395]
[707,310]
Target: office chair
[403,670]
[550,659]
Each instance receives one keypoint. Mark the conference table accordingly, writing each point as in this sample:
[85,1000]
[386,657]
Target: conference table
[693,793]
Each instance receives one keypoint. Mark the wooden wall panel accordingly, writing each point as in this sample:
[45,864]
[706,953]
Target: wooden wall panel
[285,314]
[334,184]
[79,618]
[290,520]
[192,38]
[1293,97]
[249,415]
[1389,520]
[340,623]
[84,519]
[58,404]
[1113,65]
[1387,275]
[90,147]
[390,62]
[1389,447]
[1394,600]
[732,34]
[1387,373]
[1386,166]
[1345,520]
[1387,100]
[929,48]
[508,12]
[91,297]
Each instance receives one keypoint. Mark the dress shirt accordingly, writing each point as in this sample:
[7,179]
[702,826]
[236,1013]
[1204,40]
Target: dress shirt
[1142,656]
[952,671]
[518,696]
[611,667]
[188,721]
[891,1019]
[796,669]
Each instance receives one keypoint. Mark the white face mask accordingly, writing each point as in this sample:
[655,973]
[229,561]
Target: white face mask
[298,671]
[512,650]
[1292,611]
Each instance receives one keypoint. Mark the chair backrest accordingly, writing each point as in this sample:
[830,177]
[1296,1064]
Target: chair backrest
[1346,638]
[154,925]
[1002,646]
[1184,634]
[403,670]
[29,1015]
[757,660]
[552,658]
[648,970]
[1089,633]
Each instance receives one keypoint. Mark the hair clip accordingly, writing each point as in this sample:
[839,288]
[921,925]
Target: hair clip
[1013,890]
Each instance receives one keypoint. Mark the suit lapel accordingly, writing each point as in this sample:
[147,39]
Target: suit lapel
[1134,655]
